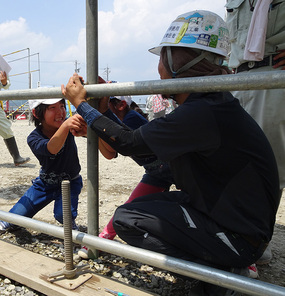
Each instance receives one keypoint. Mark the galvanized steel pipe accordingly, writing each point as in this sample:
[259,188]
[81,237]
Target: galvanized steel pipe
[92,143]
[260,80]
[186,268]
[67,225]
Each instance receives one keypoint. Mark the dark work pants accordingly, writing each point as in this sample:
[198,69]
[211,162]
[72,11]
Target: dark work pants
[163,223]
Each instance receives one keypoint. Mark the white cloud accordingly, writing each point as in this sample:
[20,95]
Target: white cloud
[16,34]
[75,51]
[16,37]
[125,34]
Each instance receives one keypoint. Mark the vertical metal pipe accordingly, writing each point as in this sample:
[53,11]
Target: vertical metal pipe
[67,225]
[39,67]
[29,68]
[92,139]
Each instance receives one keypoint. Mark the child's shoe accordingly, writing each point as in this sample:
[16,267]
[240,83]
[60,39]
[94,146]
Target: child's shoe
[83,252]
[107,235]
[4,226]
[74,225]
[253,273]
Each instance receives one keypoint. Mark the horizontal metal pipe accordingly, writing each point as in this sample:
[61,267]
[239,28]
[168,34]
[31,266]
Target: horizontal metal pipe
[261,80]
[186,268]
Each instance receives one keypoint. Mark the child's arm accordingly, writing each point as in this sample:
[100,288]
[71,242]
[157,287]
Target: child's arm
[75,123]
[82,130]
[106,150]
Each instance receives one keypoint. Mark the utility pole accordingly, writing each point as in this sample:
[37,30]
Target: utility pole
[107,71]
[76,67]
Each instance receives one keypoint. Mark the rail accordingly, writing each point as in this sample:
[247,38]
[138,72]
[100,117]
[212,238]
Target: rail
[261,80]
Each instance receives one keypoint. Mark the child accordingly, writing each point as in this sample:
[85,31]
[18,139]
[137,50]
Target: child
[157,177]
[52,142]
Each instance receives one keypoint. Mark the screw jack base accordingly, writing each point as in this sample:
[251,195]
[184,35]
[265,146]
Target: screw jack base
[70,279]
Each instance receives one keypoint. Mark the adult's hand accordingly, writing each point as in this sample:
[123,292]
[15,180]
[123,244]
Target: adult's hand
[74,91]
[281,63]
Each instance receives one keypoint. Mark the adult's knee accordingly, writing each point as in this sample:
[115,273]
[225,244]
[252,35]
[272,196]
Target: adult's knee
[123,219]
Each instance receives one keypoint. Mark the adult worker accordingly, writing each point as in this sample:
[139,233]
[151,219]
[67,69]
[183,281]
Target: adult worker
[224,214]
[5,128]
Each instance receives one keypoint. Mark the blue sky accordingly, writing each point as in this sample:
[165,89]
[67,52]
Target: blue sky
[54,34]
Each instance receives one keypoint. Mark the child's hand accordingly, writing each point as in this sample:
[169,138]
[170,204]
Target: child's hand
[77,125]
[74,124]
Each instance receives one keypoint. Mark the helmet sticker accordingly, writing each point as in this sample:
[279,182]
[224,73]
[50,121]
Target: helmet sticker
[190,38]
[214,41]
[181,32]
[209,23]
[204,39]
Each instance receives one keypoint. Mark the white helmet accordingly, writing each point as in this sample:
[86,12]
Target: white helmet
[127,99]
[199,29]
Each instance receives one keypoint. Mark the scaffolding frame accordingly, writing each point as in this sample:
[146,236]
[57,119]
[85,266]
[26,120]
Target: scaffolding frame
[267,80]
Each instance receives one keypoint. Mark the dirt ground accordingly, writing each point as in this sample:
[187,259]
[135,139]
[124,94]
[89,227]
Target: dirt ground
[117,178]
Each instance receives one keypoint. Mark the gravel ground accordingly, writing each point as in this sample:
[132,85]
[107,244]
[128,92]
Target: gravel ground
[127,271]
[124,270]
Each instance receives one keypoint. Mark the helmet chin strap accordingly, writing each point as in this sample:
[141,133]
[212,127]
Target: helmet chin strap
[203,55]
[183,68]
[187,66]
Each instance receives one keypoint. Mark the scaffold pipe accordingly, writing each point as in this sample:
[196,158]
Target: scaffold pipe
[260,80]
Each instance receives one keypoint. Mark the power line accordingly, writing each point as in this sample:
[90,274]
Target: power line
[52,62]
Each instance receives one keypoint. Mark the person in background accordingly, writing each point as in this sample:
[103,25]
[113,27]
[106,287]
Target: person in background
[224,214]
[135,106]
[157,177]
[5,128]
[160,105]
[120,106]
[257,39]
[156,106]
[52,142]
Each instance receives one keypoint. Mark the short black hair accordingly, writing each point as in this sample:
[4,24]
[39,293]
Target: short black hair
[40,112]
